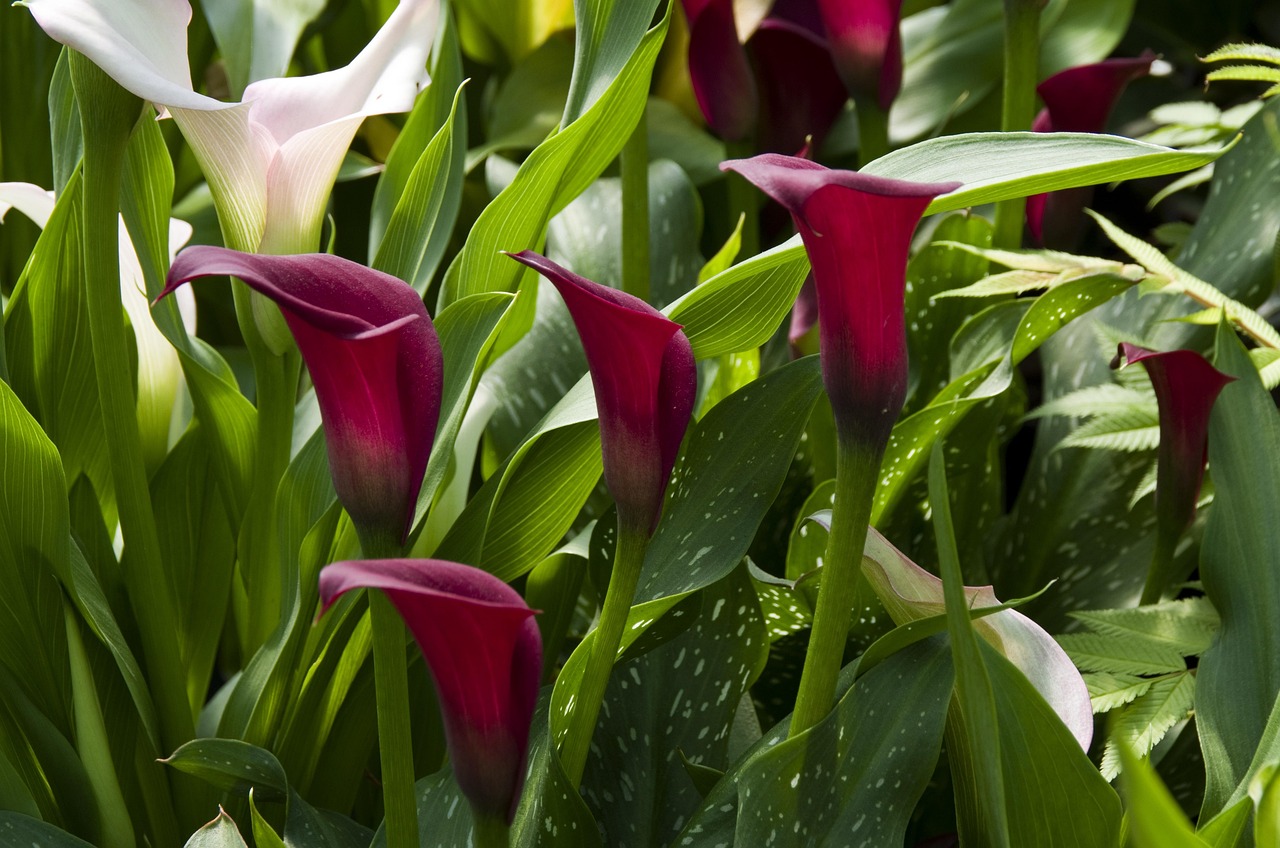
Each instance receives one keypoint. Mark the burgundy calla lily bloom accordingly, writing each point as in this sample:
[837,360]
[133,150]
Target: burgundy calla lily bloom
[645,380]
[485,655]
[1186,387]
[376,364]
[857,231]
[866,44]
[781,82]
[1079,99]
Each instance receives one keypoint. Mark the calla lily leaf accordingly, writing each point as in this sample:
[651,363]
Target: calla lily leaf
[485,655]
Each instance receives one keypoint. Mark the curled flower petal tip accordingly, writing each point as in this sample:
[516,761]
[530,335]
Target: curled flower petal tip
[375,360]
[645,381]
[857,231]
[484,652]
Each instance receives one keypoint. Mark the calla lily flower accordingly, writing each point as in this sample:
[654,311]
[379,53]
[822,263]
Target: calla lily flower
[866,45]
[1079,99]
[909,593]
[159,372]
[375,360]
[271,159]
[857,231]
[781,82]
[1186,387]
[485,655]
[644,376]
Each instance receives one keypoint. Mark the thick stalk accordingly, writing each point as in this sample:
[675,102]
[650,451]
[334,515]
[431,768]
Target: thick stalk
[1161,566]
[1021,68]
[391,685]
[107,114]
[842,589]
[873,130]
[744,201]
[489,832]
[391,693]
[634,163]
[628,559]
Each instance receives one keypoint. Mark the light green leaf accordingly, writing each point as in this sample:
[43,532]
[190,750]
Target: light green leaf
[999,166]
[1239,677]
[1187,625]
[1141,725]
[1093,400]
[219,833]
[1108,691]
[1135,429]
[1093,652]
[607,32]
[1155,819]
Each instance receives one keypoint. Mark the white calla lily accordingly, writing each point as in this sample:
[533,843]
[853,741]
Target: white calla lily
[270,159]
[160,379]
[910,593]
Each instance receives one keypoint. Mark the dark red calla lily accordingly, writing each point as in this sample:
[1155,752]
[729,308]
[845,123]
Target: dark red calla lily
[375,360]
[1079,99]
[781,84]
[1186,387]
[645,380]
[485,655]
[866,44]
[857,231]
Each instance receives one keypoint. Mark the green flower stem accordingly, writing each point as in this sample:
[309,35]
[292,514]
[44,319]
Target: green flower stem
[391,685]
[108,114]
[488,832]
[634,163]
[1161,569]
[391,693]
[628,559]
[843,589]
[1021,71]
[744,201]
[873,130]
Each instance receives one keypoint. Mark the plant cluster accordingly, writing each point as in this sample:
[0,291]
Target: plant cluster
[617,422]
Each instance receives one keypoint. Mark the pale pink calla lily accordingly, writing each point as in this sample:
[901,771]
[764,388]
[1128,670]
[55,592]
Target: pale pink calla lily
[909,593]
[159,372]
[272,158]
[485,655]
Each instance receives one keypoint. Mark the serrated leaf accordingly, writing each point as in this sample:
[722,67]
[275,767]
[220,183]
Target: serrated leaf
[1187,625]
[1137,429]
[1010,282]
[1093,652]
[1243,51]
[1145,722]
[1093,400]
[1245,73]
[1108,691]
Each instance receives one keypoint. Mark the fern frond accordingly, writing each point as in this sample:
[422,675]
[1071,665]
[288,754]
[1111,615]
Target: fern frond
[1187,626]
[1109,691]
[1134,429]
[1095,652]
[1145,722]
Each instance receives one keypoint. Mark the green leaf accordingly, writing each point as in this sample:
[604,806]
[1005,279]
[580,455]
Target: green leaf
[740,308]
[607,32]
[1239,677]
[1108,691]
[999,166]
[1155,819]
[556,172]
[19,829]
[981,801]
[422,221]
[231,765]
[219,833]
[1093,652]
[1093,400]
[679,697]
[432,110]
[1227,828]
[1240,51]
[1136,429]
[1141,725]
[263,834]
[853,778]
[1188,625]
[257,37]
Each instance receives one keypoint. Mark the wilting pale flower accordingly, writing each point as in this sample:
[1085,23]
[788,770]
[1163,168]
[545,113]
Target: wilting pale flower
[270,159]
[375,361]
[645,380]
[910,593]
[1079,99]
[159,371]
[857,231]
[485,655]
